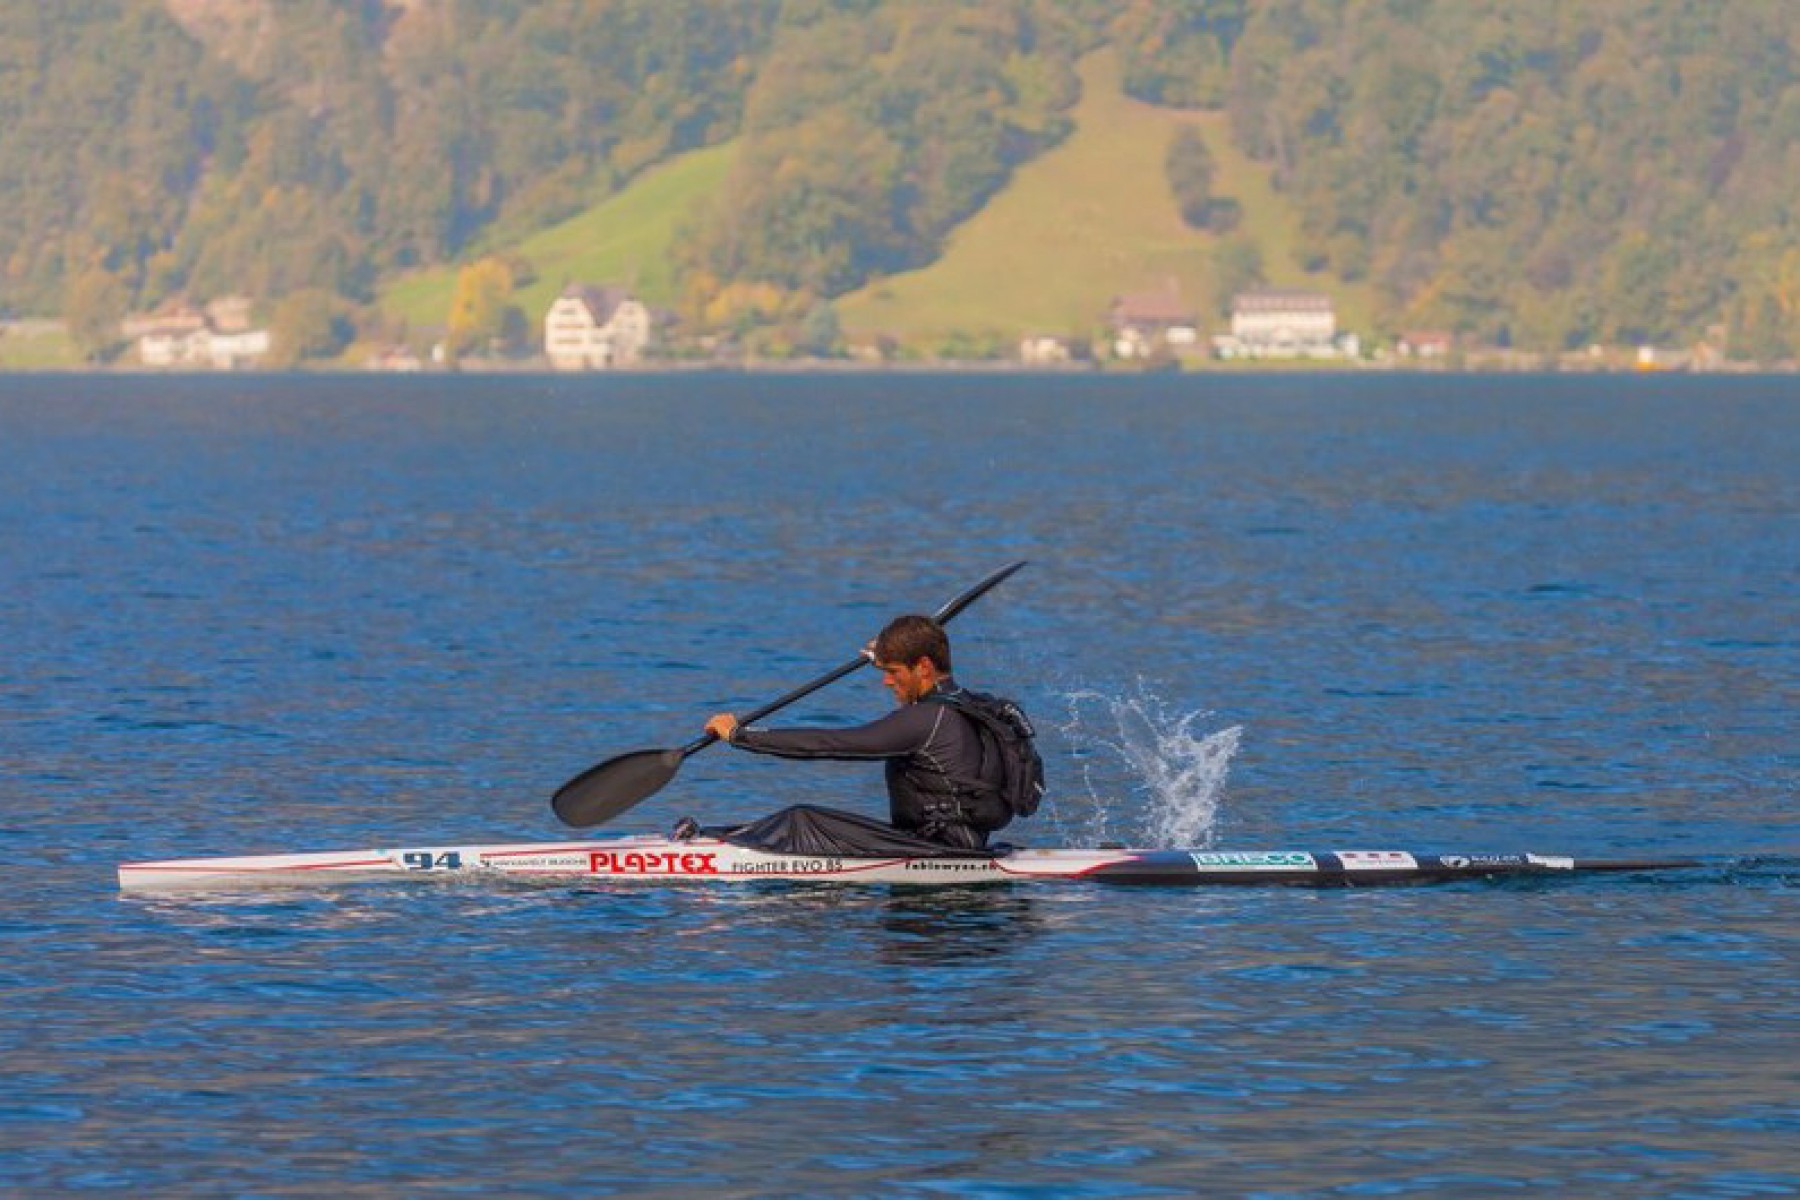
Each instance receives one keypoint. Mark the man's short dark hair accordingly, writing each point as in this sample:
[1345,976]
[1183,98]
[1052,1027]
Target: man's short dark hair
[907,639]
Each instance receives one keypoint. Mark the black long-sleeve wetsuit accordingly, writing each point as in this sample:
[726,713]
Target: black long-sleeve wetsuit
[933,759]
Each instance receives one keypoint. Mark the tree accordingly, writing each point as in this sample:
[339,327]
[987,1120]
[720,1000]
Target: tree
[1761,332]
[480,311]
[1176,52]
[1237,267]
[1636,281]
[820,335]
[1189,166]
[310,324]
[96,303]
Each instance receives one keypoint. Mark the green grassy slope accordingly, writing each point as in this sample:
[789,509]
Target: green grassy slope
[1090,220]
[37,350]
[626,239]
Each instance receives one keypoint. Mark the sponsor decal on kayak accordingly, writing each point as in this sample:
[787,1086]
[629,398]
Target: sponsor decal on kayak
[939,864]
[1476,862]
[509,861]
[1551,861]
[640,862]
[1376,860]
[1253,860]
[790,866]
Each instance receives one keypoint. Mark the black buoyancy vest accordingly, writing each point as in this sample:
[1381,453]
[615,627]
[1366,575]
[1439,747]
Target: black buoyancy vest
[1012,770]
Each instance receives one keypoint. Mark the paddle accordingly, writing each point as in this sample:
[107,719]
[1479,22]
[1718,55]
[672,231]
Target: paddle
[607,789]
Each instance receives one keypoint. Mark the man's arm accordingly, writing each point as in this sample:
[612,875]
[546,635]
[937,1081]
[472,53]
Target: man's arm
[898,733]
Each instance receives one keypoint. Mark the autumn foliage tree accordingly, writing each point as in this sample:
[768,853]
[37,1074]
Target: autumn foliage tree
[482,315]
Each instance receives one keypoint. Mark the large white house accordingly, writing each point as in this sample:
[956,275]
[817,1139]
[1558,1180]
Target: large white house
[1280,324]
[590,328]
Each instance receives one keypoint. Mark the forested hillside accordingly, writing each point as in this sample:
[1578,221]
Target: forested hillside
[1536,171]
[1526,172]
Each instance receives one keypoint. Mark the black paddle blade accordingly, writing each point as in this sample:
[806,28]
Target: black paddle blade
[602,792]
[944,614]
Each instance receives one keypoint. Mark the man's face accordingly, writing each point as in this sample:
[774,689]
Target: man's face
[908,681]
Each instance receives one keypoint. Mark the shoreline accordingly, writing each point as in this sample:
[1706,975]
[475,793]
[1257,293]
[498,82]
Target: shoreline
[1522,365]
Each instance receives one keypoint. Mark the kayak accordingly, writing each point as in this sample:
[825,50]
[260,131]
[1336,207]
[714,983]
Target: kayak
[706,859]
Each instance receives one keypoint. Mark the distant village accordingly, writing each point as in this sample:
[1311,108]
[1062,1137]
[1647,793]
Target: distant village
[606,328]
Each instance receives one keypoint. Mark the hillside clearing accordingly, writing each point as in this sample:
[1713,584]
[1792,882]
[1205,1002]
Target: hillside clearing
[1091,220]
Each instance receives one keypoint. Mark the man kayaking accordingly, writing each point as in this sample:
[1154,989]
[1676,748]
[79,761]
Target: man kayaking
[943,785]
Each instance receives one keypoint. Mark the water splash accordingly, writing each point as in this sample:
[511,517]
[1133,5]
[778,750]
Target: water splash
[1177,768]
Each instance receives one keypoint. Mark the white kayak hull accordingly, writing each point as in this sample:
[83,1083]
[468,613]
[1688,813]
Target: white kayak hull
[709,860]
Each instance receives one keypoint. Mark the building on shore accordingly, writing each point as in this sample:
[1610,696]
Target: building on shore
[217,338]
[1044,350]
[396,357]
[1425,345]
[595,328]
[1145,324]
[1281,324]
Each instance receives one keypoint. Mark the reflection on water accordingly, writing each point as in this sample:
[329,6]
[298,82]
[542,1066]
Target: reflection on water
[903,925]
[941,926]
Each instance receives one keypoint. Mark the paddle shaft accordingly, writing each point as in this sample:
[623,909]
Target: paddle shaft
[800,693]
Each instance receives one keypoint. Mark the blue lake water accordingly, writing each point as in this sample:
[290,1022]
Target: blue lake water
[247,615]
